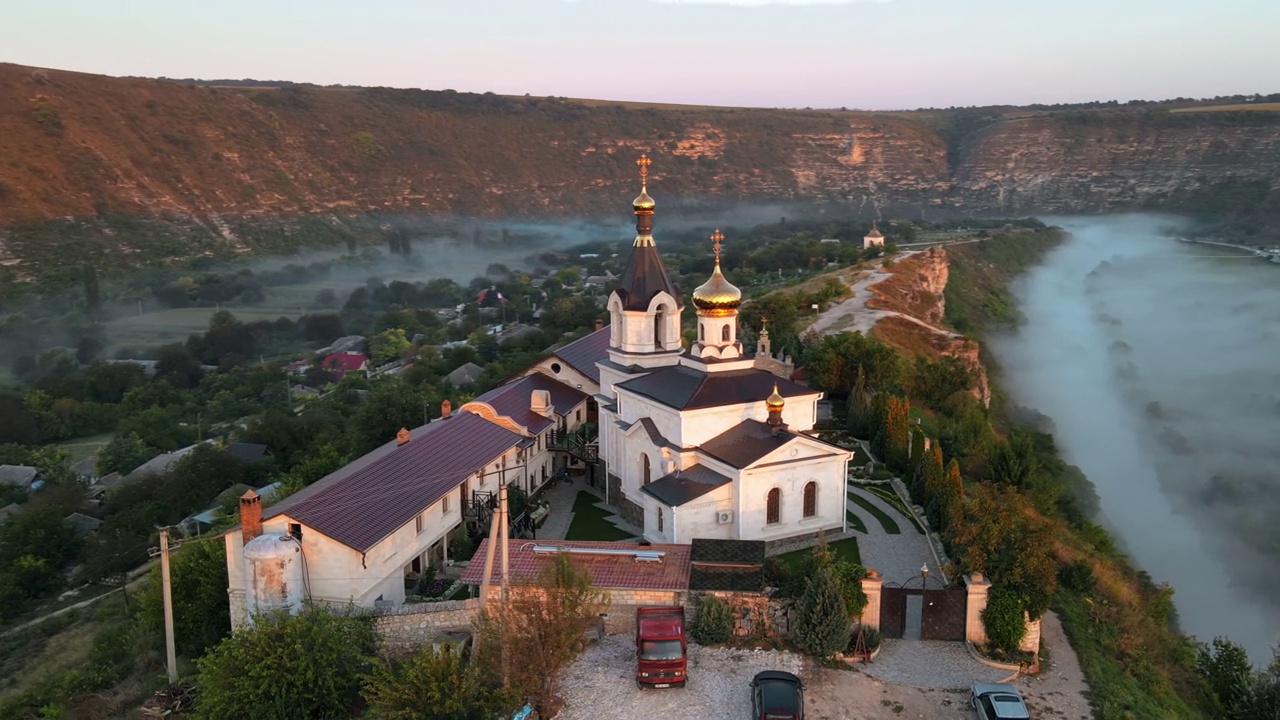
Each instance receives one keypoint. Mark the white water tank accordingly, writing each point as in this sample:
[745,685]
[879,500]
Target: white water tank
[273,575]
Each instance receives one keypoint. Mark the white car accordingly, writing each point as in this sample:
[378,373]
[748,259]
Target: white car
[998,701]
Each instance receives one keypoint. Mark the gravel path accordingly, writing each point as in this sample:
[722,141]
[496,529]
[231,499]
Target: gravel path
[930,664]
[600,685]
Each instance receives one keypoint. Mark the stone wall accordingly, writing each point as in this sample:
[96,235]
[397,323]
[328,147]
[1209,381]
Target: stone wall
[239,612]
[405,628]
[754,614]
[802,542]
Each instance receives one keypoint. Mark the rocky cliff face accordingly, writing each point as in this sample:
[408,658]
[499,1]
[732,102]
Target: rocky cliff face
[94,149]
[914,291]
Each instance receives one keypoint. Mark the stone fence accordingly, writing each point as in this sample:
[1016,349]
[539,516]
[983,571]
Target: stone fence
[406,628]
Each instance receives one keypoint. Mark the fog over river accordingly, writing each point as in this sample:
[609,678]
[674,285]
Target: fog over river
[1158,364]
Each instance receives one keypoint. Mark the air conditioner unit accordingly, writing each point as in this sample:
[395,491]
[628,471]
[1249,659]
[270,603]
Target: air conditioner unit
[724,517]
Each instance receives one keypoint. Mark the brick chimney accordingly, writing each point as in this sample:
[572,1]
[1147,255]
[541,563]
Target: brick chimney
[250,515]
[446,408]
[599,323]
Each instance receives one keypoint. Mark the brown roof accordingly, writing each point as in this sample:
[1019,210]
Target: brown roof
[513,400]
[365,501]
[608,571]
[683,486]
[583,354]
[685,388]
[644,277]
[750,440]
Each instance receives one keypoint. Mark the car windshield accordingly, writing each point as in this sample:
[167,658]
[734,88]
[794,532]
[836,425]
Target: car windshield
[1009,706]
[661,650]
[779,700]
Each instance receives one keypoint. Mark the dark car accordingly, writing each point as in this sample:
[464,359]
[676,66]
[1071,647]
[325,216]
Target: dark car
[998,701]
[777,695]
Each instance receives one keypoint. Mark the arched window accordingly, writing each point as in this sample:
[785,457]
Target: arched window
[811,499]
[659,519]
[702,332]
[724,333]
[773,510]
[644,461]
[657,329]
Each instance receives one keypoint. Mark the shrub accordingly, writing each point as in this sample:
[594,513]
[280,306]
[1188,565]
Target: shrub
[435,684]
[870,635]
[714,621]
[821,620]
[1077,576]
[286,667]
[850,576]
[1003,619]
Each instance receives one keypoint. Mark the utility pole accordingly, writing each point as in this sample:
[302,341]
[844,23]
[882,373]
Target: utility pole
[170,654]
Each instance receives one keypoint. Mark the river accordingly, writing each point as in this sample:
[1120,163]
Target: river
[1157,363]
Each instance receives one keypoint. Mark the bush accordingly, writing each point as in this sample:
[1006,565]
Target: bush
[286,667]
[870,635]
[1003,619]
[714,621]
[435,684]
[821,620]
[1077,576]
[198,586]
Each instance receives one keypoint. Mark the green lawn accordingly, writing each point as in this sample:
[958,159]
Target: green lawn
[860,457]
[589,521]
[888,523]
[892,498]
[81,448]
[846,549]
[855,522]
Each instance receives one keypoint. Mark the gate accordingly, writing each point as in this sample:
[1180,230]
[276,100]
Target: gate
[893,611]
[943,614]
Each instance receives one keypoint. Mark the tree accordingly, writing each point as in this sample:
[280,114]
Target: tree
[123,454]
[833,363]
[858,419]
[387,345]
[288,666]
[537,632]
[435,684]
[198,584]
[933,479]
[34,547]
[916,463]
[1226,667]
[932,382]
[714,621]
[951,496]
[1014,463]
[1003,618]
[821,620]
[995,535]
[897,426]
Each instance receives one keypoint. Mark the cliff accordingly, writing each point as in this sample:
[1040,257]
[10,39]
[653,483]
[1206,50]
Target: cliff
[914,305]
[203,166]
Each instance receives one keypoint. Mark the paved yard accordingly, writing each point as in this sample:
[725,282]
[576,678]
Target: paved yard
[897,557]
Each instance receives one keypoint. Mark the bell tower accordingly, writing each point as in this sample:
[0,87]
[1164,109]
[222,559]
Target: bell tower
[717,301]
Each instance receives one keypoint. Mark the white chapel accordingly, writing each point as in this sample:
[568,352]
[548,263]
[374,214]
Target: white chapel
[706,442]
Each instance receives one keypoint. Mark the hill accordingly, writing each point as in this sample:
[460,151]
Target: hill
[154,169]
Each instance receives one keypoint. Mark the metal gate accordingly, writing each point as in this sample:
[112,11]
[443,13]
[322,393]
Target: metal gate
[943,614]
[893,611]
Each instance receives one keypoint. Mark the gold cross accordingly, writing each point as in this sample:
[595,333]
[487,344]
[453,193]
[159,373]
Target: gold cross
[644,163]
[716,237]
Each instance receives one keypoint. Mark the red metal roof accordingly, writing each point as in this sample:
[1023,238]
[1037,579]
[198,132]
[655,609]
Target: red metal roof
[344,361]
[609,571]
[513,400]
[583,354]
[365,501]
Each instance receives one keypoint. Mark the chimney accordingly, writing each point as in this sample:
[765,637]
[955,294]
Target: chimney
[540,402]
[403,437]
[599,323]
[446,408]
[250,515]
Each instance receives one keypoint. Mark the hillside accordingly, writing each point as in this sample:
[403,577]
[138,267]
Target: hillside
[204,165]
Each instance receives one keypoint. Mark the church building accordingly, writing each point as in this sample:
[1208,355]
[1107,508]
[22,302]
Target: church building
[706,442]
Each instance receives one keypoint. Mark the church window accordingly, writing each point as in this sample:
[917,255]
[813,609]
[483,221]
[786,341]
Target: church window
[811,499]
[659,519]
[702,332]
[657,329]
[644,461]
[773,508]
[724,333]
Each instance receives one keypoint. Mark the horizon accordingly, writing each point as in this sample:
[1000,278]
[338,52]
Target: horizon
[771,54]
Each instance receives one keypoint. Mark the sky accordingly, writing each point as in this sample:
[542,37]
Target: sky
[866,54]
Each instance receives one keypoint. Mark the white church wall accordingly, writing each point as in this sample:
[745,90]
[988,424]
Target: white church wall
[699,426]
[697,519]
[828,472]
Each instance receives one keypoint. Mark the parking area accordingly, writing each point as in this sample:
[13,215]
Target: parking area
[600,685]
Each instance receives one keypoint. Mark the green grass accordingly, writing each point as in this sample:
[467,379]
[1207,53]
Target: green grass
[888,523]
[892,498]
[855,522]
[860,457]
[589,521]
[81,448]
[846,549]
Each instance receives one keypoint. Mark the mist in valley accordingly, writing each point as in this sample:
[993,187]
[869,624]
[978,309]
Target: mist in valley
[1156,362]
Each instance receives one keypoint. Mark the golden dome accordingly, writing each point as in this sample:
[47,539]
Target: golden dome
[717,296]
[775,401]
[643,201]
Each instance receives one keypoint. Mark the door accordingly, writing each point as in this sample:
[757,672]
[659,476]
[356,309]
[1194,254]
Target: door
[893,611]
